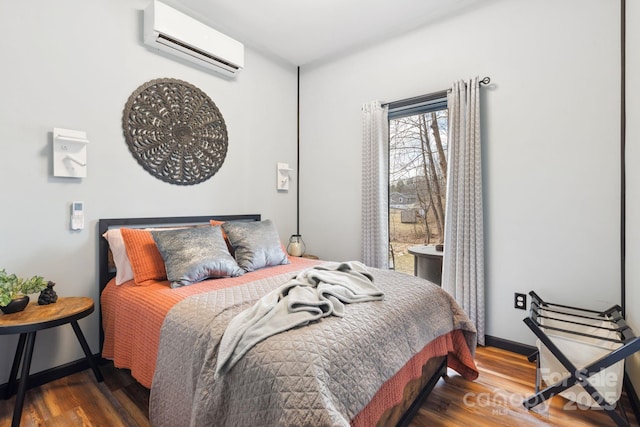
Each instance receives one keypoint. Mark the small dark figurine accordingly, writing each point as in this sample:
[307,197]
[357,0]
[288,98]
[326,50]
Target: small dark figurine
[48,296]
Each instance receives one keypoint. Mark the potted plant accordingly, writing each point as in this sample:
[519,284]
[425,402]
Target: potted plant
[14,291]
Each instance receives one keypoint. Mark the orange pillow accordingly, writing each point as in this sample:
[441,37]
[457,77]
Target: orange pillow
[215,222]
[146,261]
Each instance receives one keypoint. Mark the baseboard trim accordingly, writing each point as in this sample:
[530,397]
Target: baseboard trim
[512,346]
[55,373]
[632,395]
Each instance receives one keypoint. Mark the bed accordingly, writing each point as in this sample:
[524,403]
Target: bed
[373,365]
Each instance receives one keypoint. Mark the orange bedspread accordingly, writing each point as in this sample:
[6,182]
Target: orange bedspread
[130,312]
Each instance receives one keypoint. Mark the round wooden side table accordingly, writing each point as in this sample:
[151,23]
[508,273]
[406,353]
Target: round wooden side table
[35,318]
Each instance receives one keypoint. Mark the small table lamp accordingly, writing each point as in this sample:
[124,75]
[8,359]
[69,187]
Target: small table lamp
[296,246]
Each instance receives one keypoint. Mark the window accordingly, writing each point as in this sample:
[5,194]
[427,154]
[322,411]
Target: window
[418,147]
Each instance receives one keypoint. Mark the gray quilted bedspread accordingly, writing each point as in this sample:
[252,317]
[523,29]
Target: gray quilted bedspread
[321,374]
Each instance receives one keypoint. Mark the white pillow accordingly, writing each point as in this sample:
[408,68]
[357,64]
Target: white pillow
[124,273]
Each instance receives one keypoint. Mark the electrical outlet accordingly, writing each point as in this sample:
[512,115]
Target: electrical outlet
[520,301]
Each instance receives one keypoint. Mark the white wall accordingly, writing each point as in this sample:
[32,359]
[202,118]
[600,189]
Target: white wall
[73,64]
[550,144]
[633,182]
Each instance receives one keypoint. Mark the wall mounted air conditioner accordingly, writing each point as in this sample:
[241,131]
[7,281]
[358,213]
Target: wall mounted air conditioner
[172,31]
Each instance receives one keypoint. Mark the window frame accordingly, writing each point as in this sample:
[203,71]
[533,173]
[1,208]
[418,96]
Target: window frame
[422,104]
[417,105]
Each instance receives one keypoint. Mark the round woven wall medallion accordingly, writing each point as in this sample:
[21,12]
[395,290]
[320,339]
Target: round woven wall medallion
[175,131]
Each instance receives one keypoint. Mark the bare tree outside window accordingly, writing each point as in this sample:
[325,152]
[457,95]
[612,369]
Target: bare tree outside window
[417,183]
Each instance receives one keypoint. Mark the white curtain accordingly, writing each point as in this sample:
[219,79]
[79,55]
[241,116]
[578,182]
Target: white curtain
[463,263]
[375,185]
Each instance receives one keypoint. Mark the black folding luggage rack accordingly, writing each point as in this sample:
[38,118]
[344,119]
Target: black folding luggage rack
[625,337]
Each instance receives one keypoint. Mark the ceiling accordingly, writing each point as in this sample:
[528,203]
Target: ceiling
[305,31]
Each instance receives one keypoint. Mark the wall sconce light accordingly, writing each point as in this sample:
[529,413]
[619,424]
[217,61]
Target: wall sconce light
[69,153]
[282,175]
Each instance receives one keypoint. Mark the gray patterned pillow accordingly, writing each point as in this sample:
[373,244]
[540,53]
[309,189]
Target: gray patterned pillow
[256,244]
[194,254]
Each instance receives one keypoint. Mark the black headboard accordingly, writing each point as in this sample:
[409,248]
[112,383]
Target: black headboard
[106,273]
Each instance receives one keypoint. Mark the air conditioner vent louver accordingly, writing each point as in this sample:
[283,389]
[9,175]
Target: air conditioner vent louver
[197,53]
[174,32]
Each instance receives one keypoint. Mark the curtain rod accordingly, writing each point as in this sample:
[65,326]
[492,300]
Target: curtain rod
[434,95]
[483,81]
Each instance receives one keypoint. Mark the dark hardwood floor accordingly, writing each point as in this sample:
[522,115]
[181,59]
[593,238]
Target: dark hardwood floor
[494,399]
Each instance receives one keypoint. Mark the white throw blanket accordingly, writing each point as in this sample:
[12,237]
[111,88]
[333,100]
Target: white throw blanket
[314,293]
